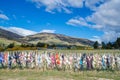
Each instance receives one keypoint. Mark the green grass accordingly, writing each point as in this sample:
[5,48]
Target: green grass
[6,41]
[58,75]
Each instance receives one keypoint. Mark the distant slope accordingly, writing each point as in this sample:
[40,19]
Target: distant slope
[7,42]
[9,35]
[57,39]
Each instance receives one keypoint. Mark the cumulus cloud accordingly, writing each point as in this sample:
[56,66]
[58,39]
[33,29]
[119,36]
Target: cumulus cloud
[106,18]
[4,17]
[78,21]
[94,4]
[75,3]
[65,5]
[47,31]
[107,15]
[110,36]
[58,5]
[96,38]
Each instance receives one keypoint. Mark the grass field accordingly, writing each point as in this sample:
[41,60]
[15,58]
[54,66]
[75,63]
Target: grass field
[88,51]
[58,75]
[98,51]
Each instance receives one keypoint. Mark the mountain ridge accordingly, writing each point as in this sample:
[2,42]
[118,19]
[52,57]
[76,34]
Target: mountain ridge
[9,35]
[49,38]
[62,39]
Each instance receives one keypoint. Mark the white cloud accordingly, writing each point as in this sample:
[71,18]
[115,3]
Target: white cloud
[65,5]
[94,4]
[75,3]
[58,5]
[47,31]
[78,21]
[107,15]
[19,31]
[4,17]
[110,36]
[96,38]
[25,32]
[105,18]
[108,19]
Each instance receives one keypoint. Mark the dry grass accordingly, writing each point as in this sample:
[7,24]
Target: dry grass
[58,75]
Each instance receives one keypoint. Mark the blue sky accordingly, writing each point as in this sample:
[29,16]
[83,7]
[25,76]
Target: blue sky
[91,19]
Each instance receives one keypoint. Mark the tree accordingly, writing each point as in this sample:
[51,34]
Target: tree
[95,45]
[23,45]
[109,45]
[32,45]
[46,45]
[103,45]
[39,44]
[2,45]
[118,42]
[115,45]
[11,45]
